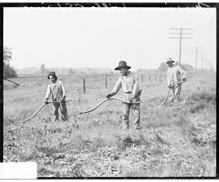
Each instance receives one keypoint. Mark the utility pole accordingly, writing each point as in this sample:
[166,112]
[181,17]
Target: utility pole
[197,50]
[180,39]
[203,58]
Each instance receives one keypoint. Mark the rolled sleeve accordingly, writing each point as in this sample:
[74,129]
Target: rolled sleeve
[168,78]
[63,88]
[136,87]
[117,87]
[48,92]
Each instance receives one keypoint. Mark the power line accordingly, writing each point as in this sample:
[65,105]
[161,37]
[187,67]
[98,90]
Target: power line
[180,39]
[197,50]
[181,28]
[182,33]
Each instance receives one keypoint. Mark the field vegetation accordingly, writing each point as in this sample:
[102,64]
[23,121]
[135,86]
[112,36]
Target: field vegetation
[174,141]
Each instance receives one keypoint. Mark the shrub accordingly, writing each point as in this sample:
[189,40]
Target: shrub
[9,72]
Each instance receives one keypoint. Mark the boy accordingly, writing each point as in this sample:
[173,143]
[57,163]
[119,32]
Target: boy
[57,90]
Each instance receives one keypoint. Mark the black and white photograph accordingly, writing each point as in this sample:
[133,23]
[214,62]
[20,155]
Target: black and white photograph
[109,90]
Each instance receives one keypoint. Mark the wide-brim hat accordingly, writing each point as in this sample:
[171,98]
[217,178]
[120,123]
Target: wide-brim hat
[122,64]
[52,73]
[169,60]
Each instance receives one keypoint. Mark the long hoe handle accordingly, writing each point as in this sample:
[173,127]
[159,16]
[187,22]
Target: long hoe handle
[40,109]
[107,100]
[11,81]
[165,98]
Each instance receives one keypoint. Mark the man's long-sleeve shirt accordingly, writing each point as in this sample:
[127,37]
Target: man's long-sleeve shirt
[129,83]
[56,89]
[175,74]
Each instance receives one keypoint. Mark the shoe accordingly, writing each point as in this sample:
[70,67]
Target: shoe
[66,118]
[137,129]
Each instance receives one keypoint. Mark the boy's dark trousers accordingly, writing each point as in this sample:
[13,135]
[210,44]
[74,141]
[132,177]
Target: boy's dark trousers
[63,110]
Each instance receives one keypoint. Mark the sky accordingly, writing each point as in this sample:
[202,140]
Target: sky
[101,37]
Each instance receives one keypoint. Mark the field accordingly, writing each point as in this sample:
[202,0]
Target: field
[174,141]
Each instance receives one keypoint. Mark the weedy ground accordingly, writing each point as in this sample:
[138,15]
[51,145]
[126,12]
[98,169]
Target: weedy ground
[174,141]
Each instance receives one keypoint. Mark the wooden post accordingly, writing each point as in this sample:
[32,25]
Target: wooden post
[142,77]
[105,78]
[84,88]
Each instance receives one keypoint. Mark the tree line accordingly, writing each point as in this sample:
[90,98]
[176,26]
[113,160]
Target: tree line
[8,71]
[187,67]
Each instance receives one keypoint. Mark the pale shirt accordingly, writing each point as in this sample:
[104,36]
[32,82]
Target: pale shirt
[175,74]
[56,89]
[129,83]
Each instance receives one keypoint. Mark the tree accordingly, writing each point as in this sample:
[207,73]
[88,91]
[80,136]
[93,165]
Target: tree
[163,67]
[187,67]
[71,71]
[9,72]
[42,68]
[7,56]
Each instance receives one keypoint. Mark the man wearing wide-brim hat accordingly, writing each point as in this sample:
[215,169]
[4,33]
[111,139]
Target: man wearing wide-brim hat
[130,84]
[175,76]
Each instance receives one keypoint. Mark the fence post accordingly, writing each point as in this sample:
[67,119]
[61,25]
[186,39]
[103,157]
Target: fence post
[105,78]
[84,88]
[142,77]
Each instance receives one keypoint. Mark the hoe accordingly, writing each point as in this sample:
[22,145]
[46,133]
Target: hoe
[169,93]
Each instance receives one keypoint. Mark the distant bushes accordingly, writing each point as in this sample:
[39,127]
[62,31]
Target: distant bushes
[9,72]
[187,67]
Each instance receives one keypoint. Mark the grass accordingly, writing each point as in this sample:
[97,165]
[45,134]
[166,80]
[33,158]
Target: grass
[174,141]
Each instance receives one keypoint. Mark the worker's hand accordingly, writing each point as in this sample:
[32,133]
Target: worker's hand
[109,95]
[131,98]
[46,101]
[184,79]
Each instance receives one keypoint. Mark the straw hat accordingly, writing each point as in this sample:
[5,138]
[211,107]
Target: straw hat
[169,60]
